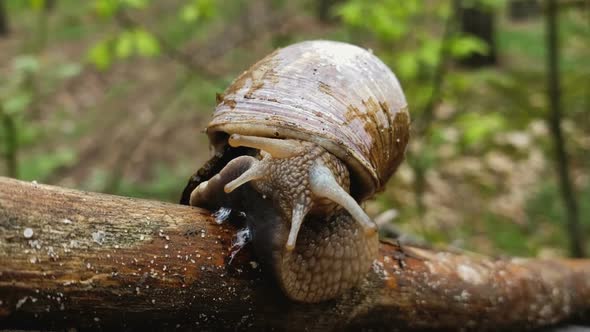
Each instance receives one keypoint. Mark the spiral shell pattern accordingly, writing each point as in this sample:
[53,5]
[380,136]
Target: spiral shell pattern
[334,94]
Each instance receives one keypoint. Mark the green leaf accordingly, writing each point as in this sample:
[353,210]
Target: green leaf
[26,64]
[17,103]
[490,4]
[189,13]
[134,3]
[208,9]
[28,133]
[351,13]
[412,7]
[39,166]
[124,44]
[443,10]
[146,43]
[463,46]
[386,27]
[37,4]
[100,55]
[429,51]
[106,8]
[407,65]
[197,9]
[478,127]
[68,70]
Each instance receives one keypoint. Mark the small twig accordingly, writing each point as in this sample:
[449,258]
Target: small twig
[423,122]
[576,234]
[11,144]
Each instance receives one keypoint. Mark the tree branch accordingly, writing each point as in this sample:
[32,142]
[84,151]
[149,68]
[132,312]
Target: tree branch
[78,259]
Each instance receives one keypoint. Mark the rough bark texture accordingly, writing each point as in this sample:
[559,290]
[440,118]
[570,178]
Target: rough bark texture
[77,259]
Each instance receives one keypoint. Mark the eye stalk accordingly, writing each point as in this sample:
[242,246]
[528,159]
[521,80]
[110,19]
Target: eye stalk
[323,184]
[278,148]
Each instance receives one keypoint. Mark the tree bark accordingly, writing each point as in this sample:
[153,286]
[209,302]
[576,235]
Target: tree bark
[574,228]
[76,259]
[3,20]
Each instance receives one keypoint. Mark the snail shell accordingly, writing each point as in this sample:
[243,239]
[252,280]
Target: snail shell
[317,127]
[334,94]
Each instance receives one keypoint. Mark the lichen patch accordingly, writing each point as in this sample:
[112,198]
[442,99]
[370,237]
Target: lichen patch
[470,275]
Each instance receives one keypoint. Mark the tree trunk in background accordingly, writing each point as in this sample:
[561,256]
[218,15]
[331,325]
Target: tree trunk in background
[479,21]
[522,9]
[3,20]
[576,234]
[325,10]
[42,33]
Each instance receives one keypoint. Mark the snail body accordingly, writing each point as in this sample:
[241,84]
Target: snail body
[302,137]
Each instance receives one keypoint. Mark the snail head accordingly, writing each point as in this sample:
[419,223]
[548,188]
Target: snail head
[301,178]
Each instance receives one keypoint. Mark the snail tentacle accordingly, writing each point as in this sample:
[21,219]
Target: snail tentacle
[299,212]
[278,148]
[323,184]
[257,170]
[208,192]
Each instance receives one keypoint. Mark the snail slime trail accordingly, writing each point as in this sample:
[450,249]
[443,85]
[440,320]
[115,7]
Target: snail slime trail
[302,138]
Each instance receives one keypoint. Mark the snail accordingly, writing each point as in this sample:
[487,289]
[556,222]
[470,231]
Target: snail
[302,138]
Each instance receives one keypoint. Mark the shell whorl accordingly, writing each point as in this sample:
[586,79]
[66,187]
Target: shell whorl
[334,94]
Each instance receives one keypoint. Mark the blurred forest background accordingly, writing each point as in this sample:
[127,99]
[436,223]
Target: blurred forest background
[113,96]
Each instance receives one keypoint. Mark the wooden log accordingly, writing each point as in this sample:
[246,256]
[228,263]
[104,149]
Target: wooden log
[76,259]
